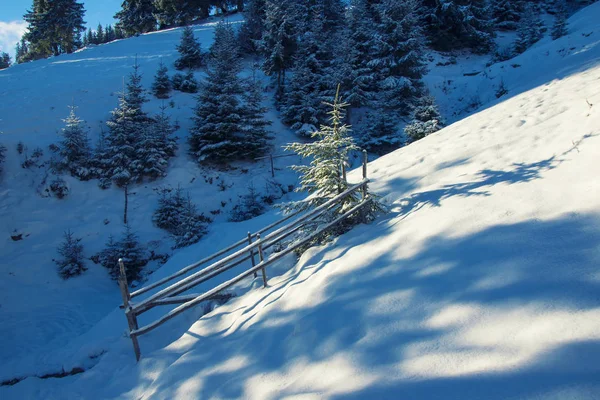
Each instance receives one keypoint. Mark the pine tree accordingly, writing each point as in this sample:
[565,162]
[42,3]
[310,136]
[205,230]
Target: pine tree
[310,86]
[4,60]
[252,29]
[54,27]
[249,206]
[156,147]
[100,38]
[109,34]
[128,248]
[559,29]
[426,120]
[190,52]
[278,42]
[161,87]
[71,262]
[457,24]
[89,37]
[531,30]
[254,122]
[507,13]
[135,94]
[323,177]
[217,132]
[178,215]
[136,16]
[75,149]
[188,83]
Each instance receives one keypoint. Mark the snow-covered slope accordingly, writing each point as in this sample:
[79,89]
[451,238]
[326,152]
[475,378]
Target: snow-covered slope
[39,311]
[482,282]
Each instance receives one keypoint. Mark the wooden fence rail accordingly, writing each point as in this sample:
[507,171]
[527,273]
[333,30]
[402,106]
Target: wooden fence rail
[246,249]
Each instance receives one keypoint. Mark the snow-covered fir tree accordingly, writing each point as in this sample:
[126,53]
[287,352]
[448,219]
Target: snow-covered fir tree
[189,84]
[156,147]
[559,28]
[397,65]
[458,24]
[531,29]
[136,16]
[248,206]
[134,255]
[217,132]
[254,124]
[71,262]
[190,52]
[426,120]
[323,176]
[161,87]
[279,38]
[75,150]
[507,13]
[251,31]
[177,214]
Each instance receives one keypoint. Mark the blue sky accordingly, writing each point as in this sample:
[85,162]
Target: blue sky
[12,25]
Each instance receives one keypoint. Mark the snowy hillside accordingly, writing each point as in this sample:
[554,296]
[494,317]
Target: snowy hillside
[481,283]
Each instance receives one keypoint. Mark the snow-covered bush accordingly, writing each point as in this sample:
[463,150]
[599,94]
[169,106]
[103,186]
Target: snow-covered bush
[71,261]
[426,120]
[531,30]
[59,188]
[177,80]
[189,84]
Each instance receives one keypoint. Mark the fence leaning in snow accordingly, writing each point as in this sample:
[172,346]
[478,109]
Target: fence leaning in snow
[171,294]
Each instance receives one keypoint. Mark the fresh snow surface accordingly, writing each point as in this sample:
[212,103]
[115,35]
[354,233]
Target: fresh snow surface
[482,282]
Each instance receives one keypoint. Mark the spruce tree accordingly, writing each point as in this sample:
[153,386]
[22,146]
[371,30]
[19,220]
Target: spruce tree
[89,37]
[249,206]
[559,29]
[323,177]
[217,132]
[252,29]
[310,86]
[109,34]
[156,147]
[531,30]
[54,27]
[458,24]
[71,262]
[507,13]
[190,52]
[4,60]
[136,16]
[161,87]
[75,150]
[100,38]
[254,123]
[426,120]
[128,248]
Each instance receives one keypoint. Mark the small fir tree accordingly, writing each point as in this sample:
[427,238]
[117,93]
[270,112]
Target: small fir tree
[255,126]
[128,248]
[71,262]
[323,177]
[248,206]
[559,29]
[190,52]
[161,87]
[189,84]
[75,150]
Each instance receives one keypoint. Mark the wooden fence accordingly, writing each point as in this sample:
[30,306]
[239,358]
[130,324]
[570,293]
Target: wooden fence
[246,249]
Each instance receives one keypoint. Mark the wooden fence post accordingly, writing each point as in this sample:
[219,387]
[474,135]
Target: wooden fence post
[252,253]
[344,172]
[364,174]
[129,314]
[272,166]
[261,256]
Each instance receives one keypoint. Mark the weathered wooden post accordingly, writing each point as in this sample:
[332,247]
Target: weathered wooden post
[272,166]
[344,172]
[364,174]
[252,253]
[261,256]
[129,314]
